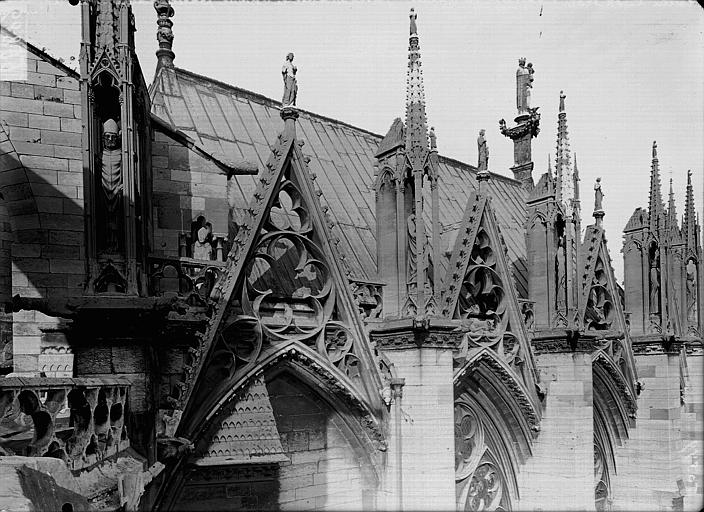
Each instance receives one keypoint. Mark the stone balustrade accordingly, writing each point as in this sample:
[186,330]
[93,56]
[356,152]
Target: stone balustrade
[78,420]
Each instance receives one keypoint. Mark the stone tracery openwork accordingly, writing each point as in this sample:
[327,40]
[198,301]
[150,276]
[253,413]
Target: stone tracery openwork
[482,304]
[287,295]
[479,481]
[600,310]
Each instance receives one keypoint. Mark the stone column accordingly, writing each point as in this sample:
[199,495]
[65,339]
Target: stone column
[693,429]
[423,417]
[560,474]
[649,464]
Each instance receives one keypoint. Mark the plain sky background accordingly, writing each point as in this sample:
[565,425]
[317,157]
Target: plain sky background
[633,72]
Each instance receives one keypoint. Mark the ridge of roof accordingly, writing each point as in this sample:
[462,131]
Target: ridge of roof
[269,101]
[42,53]
[277,104]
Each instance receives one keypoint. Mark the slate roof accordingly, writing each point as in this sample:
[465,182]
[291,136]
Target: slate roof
[235,124]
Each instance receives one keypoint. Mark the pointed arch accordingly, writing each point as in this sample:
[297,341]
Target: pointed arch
[492,435]
[612,396]
[507,386]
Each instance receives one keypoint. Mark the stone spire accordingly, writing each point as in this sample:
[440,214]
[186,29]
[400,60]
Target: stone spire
[672,224]
[575,181]
[563,161]
[656,207]
[690,227]
[416,123]
[164,34]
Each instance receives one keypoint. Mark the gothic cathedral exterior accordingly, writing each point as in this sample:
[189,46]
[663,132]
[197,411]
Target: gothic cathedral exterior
[213,300]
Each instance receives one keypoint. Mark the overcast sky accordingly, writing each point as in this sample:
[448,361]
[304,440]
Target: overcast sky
[633,72]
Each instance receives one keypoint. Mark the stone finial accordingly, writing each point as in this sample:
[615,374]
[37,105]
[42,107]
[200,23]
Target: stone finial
[164,34]
[416,121]
[690,226]
[656,206]
[563,161]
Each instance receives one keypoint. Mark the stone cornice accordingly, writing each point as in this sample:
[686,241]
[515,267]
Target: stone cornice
[656,345]
[553,341]
[406,333]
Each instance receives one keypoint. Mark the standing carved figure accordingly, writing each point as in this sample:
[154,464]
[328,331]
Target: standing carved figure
[111,179]
[412,265]
[598,196]
[413,16]
[692,314]
[529,86]
[202,248]
[433,138]
[521,80]
[654,285]
[288,71]
[483,151]
[560,276]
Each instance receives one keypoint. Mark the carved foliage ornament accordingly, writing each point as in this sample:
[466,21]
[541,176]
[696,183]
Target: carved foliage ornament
[479,482]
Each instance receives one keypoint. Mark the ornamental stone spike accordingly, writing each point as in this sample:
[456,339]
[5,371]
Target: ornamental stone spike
[690,221]
[416,122]
[563,160]
[656,206]
[164,34]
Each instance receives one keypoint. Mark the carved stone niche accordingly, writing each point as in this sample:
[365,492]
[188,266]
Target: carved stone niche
[109,207]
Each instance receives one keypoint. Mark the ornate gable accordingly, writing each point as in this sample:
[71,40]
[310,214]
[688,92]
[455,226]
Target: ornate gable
[282,295]
[481,293]
[602,313]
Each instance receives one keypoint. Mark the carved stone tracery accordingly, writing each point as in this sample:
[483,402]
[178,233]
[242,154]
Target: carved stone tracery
[600,308]
[479,482]
[287,295]
[482,304]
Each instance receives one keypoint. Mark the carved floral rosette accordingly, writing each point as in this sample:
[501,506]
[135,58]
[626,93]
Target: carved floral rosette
[479,482]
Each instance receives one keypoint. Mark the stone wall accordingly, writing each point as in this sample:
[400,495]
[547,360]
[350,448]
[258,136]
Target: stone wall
[560,474]
[41,179]
[649,463]
[185,185]
[693,432]
[324,472]
[5,290]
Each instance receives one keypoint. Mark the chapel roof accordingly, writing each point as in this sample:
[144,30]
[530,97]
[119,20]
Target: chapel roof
[235,124]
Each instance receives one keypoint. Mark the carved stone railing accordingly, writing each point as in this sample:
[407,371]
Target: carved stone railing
[78,420]
[188,278]
[219,243]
